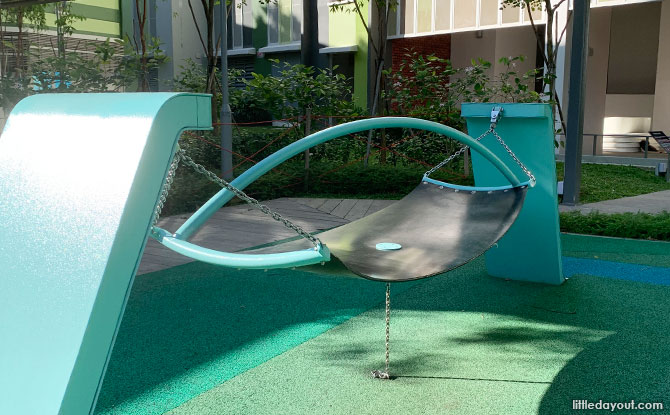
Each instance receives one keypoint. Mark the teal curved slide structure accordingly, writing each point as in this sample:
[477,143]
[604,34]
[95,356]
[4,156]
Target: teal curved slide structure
[80,176]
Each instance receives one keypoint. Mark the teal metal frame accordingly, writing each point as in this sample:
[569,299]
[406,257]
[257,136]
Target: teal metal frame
[528,129]
[179,240]
[80,177]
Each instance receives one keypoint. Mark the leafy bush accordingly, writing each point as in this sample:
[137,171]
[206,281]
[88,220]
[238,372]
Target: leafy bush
[430,88]
[191,190]
[193,78]
[298,89]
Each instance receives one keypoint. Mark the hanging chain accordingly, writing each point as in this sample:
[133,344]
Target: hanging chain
[456,154]
[253,202]
[378,373]
[495,114]
[166,187]
[388,324]
[528,173]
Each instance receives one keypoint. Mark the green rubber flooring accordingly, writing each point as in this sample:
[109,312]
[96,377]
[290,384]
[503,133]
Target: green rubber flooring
[198,339]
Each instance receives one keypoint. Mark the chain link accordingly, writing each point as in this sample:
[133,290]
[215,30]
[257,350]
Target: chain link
[166,187]
[511,153]
[456,154]
[388,325]
[253,202]
[491,130]
[378,374]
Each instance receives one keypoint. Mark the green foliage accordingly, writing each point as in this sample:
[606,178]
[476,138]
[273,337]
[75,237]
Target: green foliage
[530,4]
[65,18]
[299,88]
[32,16]
[431,88]
[72,72]
[12,90]
[606,182]
[135,68]
[191,190]
[620,225]
[193,78]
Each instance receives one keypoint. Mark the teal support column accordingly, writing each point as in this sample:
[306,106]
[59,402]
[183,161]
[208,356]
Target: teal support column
[531,249]
[80,176]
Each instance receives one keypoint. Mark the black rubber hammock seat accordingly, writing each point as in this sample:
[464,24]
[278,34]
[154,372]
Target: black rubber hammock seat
[434,229]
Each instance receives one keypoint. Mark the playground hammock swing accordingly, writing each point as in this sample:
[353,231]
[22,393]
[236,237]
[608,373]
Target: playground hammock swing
[435,228]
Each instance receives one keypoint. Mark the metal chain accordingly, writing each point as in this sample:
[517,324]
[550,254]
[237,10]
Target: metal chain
[378,373]
[388,324]
[491,130]
[511,153]
[166,187]
[456,154]
[253,202]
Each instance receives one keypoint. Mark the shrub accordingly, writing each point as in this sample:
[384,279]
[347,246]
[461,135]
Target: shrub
[191,190]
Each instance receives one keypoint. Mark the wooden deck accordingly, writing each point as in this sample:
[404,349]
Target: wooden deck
[238,227]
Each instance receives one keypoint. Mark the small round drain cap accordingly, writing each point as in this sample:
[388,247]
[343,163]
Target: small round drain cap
[388,246]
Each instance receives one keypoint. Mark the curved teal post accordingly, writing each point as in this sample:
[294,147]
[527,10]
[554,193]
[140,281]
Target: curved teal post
[535,235]
[272,161]
[80,176]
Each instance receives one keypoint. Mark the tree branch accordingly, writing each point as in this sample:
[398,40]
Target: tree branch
[557,5]
[365,25]
[540,41]
[197,27]
[560,39]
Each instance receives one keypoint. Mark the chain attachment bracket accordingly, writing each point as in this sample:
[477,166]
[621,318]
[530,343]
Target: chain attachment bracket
[495,114]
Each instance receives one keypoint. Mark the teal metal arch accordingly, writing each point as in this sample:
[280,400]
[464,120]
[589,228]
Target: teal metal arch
[179,241]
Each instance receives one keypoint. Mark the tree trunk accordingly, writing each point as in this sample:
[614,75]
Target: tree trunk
[143,82]
[19,44]
[3,62]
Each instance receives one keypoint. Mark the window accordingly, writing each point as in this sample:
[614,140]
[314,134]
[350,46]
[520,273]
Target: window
[240,22]
[488,12]
[511,15]
[443,15]
[424,16]
[284,21]
[407,16]
[421,17]
[465,13]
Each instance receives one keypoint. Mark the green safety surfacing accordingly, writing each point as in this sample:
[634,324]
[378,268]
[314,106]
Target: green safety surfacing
[202,340]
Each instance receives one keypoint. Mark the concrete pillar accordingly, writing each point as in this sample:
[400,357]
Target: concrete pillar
[661,118]
[597,63]
[596,76]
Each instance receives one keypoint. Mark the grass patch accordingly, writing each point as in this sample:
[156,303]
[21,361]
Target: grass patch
[606,182]
[620,225]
